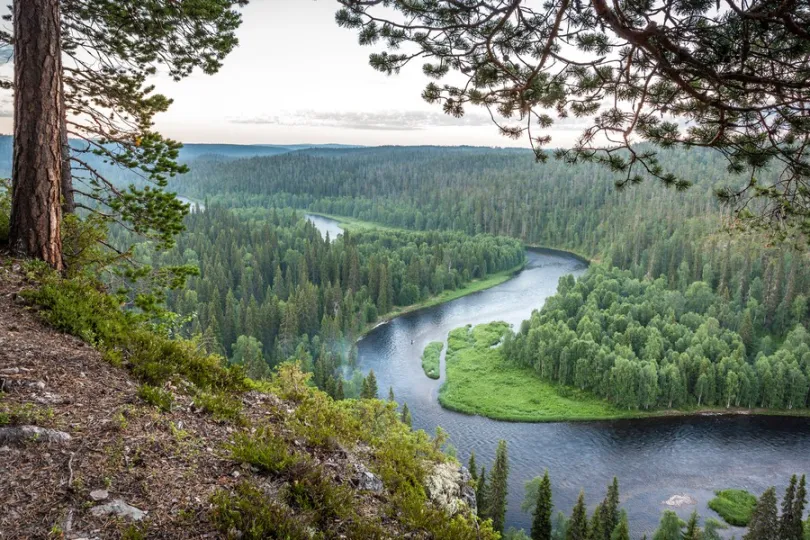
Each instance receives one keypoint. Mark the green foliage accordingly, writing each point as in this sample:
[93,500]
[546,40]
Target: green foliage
[735,506]
[764,524]
[431,358]
[80,307]
[25,414]
[250,513]
[498,489]
[265,450]
[541,520]
[481,381]
[5,209]
[160,398]
[644,346]
[670,527]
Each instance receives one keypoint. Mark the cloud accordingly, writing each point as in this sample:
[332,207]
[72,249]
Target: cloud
[380,121]
[389,120]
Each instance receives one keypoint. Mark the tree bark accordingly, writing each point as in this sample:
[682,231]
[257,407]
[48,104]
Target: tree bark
[36,212]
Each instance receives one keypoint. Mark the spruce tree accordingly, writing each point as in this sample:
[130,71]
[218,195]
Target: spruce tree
[578,524]
[369,390]
[801,531]
[788,520]
[598,530]
[669,527]
[472,466]
[764,524]
[391,394]
[498,489]
[406,415]
[693,531]
[610,508]
[541,521]
[482,495]
[622,530]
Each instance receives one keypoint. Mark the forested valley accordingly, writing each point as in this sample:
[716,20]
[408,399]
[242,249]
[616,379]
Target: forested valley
[271,288]
[700,314]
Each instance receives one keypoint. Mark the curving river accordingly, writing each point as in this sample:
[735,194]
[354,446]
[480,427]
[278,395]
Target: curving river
[653,459]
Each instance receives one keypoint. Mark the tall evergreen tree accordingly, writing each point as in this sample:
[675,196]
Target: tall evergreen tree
[482,495]
[406,415]
[800,531]
[622,530]
[764,524]
[693,531]
[788,520]
[610,508]
[541,520]
[499,486]
[578,524]
[472,466]
[669,527]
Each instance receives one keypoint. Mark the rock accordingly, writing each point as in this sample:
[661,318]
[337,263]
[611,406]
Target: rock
[366,480]
[118,507]
[99,494]
[48,398]
[20,434]
[448,486]
[679,501]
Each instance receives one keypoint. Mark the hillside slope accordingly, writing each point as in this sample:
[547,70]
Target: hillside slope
[84,455]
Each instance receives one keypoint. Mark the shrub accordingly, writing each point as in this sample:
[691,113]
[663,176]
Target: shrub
[5,209]
[219,405]
[735,506]
[160,398]
[265,450]
[248,513]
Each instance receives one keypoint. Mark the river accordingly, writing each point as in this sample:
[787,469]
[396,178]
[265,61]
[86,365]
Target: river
[654,459]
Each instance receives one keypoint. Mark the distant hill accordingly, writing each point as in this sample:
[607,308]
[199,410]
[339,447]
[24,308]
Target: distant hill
[193,151]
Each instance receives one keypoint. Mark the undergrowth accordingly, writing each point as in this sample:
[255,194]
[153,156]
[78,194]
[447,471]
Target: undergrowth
[735,506]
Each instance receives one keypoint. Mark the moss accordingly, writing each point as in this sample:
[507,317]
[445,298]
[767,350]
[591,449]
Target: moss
[431,359]
[735,506]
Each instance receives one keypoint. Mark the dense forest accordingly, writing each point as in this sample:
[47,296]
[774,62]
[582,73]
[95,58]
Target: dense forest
[271,288]
[642,345]
[647,229]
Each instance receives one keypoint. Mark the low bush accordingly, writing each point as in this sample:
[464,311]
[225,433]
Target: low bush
[249,513]
[160,398]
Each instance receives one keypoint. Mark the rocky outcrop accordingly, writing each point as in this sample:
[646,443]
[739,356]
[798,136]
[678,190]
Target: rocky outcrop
[22,434]
[449,486]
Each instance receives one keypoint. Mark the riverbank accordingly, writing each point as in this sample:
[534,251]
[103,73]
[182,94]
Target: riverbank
[479,381]
[447,296]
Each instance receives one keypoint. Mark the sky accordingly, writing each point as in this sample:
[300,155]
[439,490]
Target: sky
[296,77]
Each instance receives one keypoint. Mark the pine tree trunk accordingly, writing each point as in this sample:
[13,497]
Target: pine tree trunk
[66,177]
[36,212]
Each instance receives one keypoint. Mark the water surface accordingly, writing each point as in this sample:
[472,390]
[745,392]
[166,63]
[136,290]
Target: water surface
[653,459]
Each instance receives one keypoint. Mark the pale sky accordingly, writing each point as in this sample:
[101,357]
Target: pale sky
[297,77]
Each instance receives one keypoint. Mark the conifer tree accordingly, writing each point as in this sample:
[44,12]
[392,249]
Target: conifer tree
[541,521]
[578,524]
[482,495]
[610,508]
[498,489]
[597,529]
[800,531]
[472,466]
[693,531]
[369,390]
[669,527]
[391,394]
[406,415]
[622,530]
[788,519]
[764,524]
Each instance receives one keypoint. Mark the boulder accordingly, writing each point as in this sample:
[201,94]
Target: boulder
[119,508]
[449,487]
[21,434]
[366,480]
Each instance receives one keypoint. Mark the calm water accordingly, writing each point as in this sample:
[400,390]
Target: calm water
[653,459]
[325,225]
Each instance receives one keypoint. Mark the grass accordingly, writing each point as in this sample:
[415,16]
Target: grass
[431,357]
[735,506]
[480,381]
